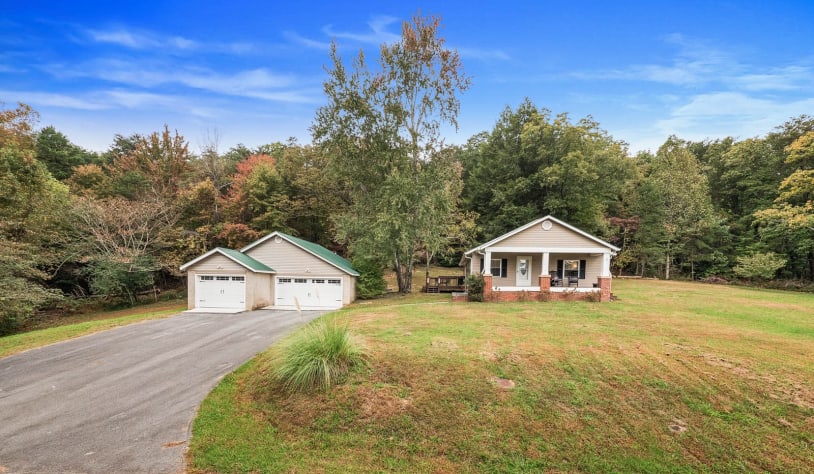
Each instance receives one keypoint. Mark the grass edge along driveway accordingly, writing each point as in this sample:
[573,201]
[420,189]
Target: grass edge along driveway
[89,324]
[673,377]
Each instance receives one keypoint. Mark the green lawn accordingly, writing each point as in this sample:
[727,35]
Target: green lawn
[672,377]
[70,327]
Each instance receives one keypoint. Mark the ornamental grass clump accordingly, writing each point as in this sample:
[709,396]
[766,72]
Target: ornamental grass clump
[318,357]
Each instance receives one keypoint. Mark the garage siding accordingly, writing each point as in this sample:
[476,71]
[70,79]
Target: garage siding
[217,263]
[288,259]
[348,289]
[259,289]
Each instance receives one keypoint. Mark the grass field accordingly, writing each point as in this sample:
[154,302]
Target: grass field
[672,377]
[68,327]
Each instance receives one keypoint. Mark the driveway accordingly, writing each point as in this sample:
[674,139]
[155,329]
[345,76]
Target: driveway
[123,400]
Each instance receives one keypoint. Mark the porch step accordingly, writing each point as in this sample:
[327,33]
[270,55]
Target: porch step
[432,289]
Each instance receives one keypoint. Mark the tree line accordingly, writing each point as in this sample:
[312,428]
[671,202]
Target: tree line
[379,185]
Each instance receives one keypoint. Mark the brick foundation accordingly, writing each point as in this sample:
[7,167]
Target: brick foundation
[602,293]
[510,296]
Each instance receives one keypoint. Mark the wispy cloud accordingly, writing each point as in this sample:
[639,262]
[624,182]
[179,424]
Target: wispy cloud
[786,78]
[307,42]
[693,64]
[720,114]
[111,99]
[259,83]
[127,38]
[46,99]
[483,54]
[141,40]
[379,31]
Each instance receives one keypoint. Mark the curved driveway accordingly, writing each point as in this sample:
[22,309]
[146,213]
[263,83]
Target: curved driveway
[123,400]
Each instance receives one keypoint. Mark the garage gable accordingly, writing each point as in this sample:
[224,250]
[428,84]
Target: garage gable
[221,258]
[291,255]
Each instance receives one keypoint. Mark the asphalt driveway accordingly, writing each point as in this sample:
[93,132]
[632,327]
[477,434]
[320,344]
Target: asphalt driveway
[123,400]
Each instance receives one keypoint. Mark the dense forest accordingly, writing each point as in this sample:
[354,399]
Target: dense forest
[77,225]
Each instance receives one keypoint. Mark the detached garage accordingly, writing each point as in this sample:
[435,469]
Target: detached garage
[279,271]
[225,279]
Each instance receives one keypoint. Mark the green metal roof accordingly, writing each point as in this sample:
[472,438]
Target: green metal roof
[323,253]
[245,260]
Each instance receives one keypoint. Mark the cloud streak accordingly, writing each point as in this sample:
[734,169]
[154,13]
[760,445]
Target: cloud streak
[379,31]
[259,83]
[144,40]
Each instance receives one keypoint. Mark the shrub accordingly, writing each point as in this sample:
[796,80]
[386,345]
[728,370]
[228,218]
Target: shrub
[474,287]
[759,265]
[370,282]
[317,357]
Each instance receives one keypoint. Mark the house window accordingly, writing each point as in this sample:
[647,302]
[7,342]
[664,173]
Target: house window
[571,268]
[300,280]
[334,282]
[499,267]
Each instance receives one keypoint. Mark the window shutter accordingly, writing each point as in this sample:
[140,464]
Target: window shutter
[504,267]
[481,264]
[559,269]
[582,269]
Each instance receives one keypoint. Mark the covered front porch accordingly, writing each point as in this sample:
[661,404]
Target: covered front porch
[544,274]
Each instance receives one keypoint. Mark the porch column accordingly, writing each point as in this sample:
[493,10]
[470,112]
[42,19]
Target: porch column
[606,257]
[544,267]
[487,263]
[604,288]
[487,287]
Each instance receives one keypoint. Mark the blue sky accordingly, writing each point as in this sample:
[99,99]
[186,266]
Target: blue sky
[251,72]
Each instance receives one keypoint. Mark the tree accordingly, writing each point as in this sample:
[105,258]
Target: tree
[31,213]
[155,167]
[124,242]
[32,217]
[59,155]
[677,190]
[17,126]
[382,131]
[533,164]
[313,194]
[258,196]
[788,226]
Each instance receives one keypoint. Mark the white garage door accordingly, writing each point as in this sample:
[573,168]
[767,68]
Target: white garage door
[308,293]
[220,291]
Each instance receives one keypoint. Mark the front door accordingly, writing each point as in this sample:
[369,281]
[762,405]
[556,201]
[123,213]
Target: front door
[523,271]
